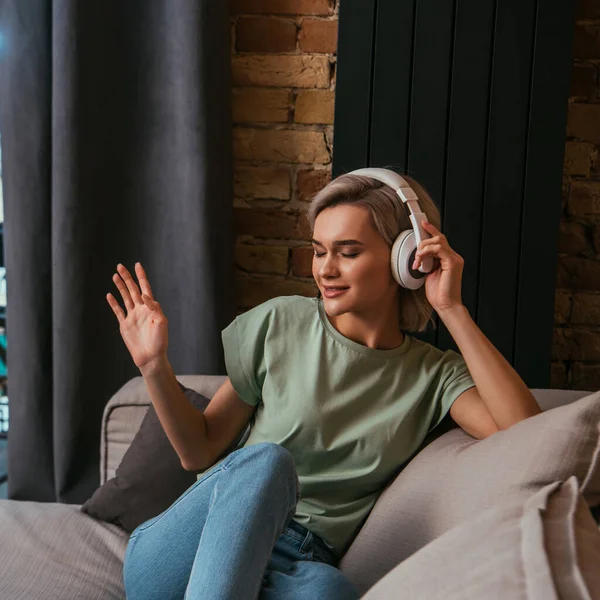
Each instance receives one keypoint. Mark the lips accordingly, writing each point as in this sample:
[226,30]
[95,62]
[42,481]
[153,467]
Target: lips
[331,292]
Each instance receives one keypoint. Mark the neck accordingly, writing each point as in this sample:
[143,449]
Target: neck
[375,327]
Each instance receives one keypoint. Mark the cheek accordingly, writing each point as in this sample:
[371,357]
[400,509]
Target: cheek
[369,271]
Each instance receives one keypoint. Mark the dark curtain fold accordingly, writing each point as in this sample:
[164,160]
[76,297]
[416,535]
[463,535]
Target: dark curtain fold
[115,127]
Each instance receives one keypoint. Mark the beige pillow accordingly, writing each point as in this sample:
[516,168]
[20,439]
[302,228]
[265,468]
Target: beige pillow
[546,548]
[456,477]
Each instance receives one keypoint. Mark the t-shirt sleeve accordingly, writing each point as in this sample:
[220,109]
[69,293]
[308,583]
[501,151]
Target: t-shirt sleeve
[453,379]
[244,345]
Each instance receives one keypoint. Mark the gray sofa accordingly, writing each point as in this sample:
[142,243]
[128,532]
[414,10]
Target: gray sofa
[51,550]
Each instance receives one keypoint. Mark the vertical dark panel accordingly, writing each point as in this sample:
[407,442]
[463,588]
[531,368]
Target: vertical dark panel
[391,84]
[541,210]
[469,98]
[352,117]
[467,137]
[431,79]
[507,142]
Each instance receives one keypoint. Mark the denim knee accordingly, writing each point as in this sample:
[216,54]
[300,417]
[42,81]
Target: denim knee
[276,459]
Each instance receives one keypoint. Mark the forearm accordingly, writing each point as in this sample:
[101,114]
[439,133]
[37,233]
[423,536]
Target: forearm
[183,423]
[504,393]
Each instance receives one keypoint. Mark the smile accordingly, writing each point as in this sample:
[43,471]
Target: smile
[333,292]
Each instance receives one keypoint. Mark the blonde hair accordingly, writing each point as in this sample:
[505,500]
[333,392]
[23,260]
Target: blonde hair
[390,217]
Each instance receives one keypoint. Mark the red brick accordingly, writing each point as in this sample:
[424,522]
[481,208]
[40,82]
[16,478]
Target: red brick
[585,376]
[254,291]
[271,224]
[265,34]
[584,82]
[280,145]
[584,121]
[310,181]
[595,156]
[587,9]
[262,182]
[262,259]
[302,259]
[596,238]
[282,7]
[562,308]
[315,106]
[318,35]
[575,272]
[558,376]
[281,70]
[584,198]
[586,309]
[575,344]
[578,157]
[260,105]
[572,238]
[586,43]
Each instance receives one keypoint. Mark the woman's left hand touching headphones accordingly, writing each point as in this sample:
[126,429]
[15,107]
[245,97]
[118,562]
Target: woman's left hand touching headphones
[442,285]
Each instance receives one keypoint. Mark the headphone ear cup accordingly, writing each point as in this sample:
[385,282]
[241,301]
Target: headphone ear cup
[403,256]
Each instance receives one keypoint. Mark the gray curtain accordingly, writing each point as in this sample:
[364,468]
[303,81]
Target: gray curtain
[116,147]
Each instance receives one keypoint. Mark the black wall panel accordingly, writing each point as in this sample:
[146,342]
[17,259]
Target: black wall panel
[470,98]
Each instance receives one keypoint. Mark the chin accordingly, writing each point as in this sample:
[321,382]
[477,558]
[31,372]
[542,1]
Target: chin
[334,307]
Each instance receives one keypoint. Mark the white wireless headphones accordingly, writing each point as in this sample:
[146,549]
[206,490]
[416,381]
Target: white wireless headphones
[406,244]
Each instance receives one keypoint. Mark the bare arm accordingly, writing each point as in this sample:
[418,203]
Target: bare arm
[198,438]
[504,393]
[183,423]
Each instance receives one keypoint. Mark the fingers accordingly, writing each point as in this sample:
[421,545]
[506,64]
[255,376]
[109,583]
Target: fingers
[116,308]
[143,279]
[436,239]
[129,290]
[132,287]
[440,252]
[151,304]
[124,291]
[431,228]
[435,249]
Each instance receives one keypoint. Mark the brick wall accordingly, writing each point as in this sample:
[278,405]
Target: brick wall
[283,63]
[576,351]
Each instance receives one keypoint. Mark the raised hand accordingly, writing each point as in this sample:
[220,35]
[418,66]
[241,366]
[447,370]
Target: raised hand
[144,328]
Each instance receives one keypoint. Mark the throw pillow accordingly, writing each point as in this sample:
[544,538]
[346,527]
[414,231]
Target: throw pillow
[547,546]
[457,476]
[150,476]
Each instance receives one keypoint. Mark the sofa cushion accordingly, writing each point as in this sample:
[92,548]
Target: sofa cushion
[149,478]
[547,546]
[53,550]
[456,477]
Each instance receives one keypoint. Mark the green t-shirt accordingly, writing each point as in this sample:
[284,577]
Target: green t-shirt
[349,415]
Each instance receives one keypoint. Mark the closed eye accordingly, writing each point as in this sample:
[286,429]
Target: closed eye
[345,255]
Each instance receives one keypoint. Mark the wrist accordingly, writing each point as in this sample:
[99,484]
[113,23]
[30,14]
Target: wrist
[452,312]
[155,365]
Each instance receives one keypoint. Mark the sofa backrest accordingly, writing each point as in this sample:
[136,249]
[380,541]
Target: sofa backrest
[126,409]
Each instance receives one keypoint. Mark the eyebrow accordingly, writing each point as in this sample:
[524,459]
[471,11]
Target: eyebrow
[340,243]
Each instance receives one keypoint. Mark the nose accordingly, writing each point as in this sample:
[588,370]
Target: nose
[328,266]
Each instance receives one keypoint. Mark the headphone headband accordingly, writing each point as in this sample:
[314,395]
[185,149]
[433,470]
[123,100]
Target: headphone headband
[403,250]
[395,181]
[404,191]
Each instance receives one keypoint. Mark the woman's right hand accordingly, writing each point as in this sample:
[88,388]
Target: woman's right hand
[144,328]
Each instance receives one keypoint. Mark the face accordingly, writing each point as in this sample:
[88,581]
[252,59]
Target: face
[360,264]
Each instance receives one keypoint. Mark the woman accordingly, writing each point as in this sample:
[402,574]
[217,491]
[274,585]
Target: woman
[340,395]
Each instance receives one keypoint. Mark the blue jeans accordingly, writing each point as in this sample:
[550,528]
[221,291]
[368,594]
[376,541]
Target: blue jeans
[231,536]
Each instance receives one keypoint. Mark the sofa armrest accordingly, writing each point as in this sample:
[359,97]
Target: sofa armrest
[125,411]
